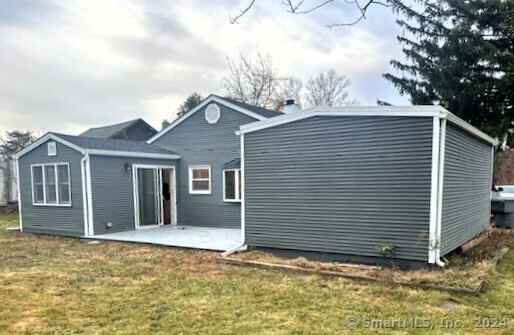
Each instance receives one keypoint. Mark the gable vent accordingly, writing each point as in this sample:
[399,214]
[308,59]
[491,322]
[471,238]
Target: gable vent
[212,113]
[52,148]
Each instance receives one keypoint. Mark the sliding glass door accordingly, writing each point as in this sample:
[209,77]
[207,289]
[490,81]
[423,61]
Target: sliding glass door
[148,193]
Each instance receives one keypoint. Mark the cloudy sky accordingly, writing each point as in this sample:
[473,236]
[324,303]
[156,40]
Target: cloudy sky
[69,65]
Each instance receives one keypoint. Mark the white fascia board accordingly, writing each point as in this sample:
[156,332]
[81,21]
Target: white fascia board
[470,129]
[208,100]
[131,154]
[45,138]
[411,111]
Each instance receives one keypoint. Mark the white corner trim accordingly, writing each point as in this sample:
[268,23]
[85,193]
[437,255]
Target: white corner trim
[433,242]
[43,139]
[209,99]
[440,185]
[130,154]
[91,227]
[193,167]
[84,194]
[18,186]
[243,201]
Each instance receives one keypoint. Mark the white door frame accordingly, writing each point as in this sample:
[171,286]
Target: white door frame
[173,200]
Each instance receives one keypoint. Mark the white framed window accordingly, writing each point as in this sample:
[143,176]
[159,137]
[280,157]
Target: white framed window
[51,184]
[232,185]
[199,179]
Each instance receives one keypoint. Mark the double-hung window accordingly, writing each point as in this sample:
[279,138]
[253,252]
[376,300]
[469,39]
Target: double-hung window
[200,179]
[232,185]
[51,184]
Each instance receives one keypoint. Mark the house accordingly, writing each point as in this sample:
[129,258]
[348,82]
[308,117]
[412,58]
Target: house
[358,183]
[410,183]
[83,186]
[135,130]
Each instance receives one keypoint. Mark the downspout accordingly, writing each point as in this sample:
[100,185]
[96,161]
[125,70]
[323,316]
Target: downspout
[91,229]
[84,193]
[442,149]
[242,245]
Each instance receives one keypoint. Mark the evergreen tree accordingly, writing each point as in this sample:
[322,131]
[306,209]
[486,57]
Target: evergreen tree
[460,55]
[191,102]
[15,141]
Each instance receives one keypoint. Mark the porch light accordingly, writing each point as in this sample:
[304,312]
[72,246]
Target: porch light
[128,167]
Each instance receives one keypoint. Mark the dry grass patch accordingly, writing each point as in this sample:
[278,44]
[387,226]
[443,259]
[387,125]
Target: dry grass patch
[52,285]
[463,271]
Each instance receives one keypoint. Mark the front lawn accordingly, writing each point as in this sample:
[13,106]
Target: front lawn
[61,285]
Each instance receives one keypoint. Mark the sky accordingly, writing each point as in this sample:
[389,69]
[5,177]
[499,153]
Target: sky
[66,66]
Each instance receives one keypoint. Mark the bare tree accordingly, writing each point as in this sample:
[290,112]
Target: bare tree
[254,80]
[300,7]
[290,88]
[329,89]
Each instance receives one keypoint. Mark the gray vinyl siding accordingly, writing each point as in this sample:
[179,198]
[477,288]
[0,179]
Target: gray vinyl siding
[201,143]
[340,185]
[112,192]
[66,221]
[466,188]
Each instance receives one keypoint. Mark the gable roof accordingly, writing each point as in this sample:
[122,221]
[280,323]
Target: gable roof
[103,146]
[112,130]
[409,111]
[255,112]
[259,110]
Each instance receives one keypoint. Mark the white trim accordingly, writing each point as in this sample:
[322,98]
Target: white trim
[237,176]
[432,230]
[409,111]
[91,225]
[209,99]
[199,167]
[17,163]
[84,194]
[43,139]
[135,194]
[174,222]
[243,200]
[442,154]
[45,203]
[114,153]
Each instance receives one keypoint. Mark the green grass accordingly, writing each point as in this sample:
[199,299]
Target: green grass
[52,285]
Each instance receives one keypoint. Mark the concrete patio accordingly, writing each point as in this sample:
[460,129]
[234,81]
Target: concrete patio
[217,239]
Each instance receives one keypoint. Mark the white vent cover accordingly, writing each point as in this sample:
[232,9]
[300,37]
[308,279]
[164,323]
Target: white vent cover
[52,149]
[212,113]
